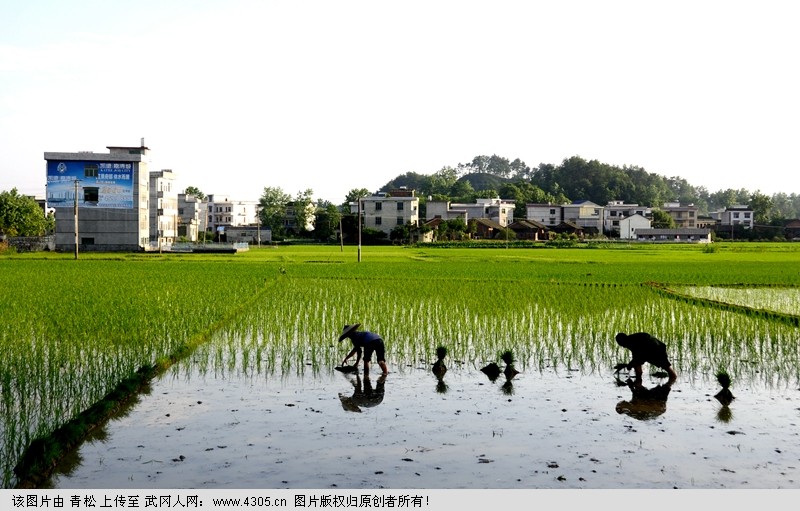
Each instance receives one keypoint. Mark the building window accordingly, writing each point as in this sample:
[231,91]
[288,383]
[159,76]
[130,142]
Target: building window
[91,194]
[90,170]
[378,219]
[747,215]
[400,220]
[552,211]
[399,206]
[378,206]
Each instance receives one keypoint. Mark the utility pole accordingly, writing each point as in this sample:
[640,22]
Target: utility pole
[359,229]
[341,235]
[76,219]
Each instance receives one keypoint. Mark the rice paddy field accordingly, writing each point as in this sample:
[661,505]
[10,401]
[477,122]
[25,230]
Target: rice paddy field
[247,344]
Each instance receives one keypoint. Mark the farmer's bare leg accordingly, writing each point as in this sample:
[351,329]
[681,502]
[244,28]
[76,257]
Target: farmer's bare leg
[383,367]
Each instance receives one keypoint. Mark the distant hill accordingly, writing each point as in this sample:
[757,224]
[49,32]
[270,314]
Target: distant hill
[576,178]
[485,181]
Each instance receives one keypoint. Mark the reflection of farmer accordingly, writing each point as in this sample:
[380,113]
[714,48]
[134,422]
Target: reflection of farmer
[366,397]
[368,341]
[644,348]
[645,404]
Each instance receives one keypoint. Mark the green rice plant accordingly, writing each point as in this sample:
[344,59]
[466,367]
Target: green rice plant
[72,330]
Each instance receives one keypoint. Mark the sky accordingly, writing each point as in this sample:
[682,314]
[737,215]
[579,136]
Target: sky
[237,95]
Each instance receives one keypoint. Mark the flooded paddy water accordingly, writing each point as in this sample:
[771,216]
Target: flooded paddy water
[548,428]
[253,400]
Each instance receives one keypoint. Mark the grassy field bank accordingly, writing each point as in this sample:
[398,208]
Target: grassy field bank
[72,330]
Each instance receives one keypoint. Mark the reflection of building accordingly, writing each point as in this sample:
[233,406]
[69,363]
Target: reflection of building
[163,208]
[111,193]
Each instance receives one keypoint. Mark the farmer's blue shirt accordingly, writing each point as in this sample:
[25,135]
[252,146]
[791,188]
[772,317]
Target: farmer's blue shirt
[361,339]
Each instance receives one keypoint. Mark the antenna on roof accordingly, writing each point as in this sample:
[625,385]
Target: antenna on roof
[142,142]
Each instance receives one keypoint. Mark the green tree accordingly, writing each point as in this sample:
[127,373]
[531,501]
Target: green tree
[22,216]
[272,208]
[353,196]
[326,222]
[440,182]
[762,207]
[302,212]
[194,191]
[662,220]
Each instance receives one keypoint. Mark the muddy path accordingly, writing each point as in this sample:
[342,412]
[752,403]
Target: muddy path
[543,429]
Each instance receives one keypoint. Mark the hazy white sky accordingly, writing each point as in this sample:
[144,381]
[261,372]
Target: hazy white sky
[236,95]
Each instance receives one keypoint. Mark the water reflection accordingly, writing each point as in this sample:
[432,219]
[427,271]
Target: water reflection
[363,396]
[645,403]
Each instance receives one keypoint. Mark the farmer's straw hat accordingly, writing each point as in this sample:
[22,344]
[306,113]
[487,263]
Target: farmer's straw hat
[347,330]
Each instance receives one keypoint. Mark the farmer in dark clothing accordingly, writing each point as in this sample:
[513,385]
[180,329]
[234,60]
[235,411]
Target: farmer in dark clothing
[644,348]
[368,341]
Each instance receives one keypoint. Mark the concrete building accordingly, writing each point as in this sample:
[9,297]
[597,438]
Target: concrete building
[630,225]
[497,210]
[191,215]
[615,211]
[685,217]
[109,193]
[222,212]
[291,223]
[386,210]
[444,210]
[585,214]
[163,209]
[546,214]
[680,235]
[737,215]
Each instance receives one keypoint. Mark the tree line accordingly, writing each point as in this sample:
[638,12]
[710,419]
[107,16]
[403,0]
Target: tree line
[576,178]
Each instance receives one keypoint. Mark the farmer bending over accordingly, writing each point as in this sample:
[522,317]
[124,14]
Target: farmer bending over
[644,348]
[369,341]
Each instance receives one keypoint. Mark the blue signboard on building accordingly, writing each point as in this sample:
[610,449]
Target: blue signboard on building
[100,184]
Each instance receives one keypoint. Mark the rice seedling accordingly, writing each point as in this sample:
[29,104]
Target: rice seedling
[72,331]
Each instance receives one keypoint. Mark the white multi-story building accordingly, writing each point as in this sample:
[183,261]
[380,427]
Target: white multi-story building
[191,214]
[386,210]
[163,208]
[630,225]
[684,216]
[548,214]
[222,212]
[737,215]
[585,214]
[497,210]
[615,211]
